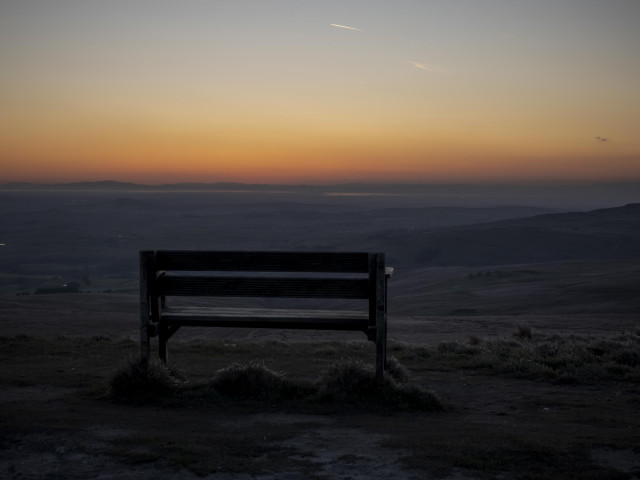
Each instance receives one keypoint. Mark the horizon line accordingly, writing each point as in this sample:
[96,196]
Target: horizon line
[535,183]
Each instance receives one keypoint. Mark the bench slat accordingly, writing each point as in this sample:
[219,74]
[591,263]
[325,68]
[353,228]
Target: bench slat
[266,318]
[348,288]
[262,261]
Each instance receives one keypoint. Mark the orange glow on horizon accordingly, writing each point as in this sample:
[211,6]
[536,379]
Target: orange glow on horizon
[294,153]
[283,149]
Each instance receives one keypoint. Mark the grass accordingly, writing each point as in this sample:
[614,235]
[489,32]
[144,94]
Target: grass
[552,357]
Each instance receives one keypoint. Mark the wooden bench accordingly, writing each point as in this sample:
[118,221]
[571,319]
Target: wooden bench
[167,276]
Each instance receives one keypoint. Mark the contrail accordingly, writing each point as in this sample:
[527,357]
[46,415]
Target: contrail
[402,39]
[345,27]
[428,67]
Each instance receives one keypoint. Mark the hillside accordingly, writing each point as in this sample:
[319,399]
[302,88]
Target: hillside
[605,234]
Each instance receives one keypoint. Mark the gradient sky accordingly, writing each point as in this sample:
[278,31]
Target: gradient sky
[281,91]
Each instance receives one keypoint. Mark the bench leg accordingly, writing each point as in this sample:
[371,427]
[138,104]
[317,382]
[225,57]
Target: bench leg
[163,338]
[381,354]
[144,345]
[378,307]
[381,348]
[384,348]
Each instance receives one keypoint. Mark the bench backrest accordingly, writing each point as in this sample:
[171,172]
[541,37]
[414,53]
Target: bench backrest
[171,273]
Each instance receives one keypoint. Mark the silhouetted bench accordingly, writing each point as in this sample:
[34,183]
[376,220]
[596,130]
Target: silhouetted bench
[166,275]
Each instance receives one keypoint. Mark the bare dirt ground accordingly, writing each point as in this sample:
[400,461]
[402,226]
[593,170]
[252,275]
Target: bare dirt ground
[55,422]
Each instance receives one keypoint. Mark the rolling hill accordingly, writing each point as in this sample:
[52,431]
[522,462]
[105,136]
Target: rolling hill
[604,234]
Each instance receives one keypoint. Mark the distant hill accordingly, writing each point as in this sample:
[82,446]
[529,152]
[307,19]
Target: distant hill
[604,234]
[565,196]
[99,185]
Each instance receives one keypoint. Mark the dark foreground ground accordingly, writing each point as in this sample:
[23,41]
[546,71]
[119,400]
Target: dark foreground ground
[559,407]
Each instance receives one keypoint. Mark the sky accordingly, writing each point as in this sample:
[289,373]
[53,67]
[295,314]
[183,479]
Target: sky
[320,92]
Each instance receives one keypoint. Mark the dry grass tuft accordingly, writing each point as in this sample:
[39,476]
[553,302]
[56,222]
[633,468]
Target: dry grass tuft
[138,380]
[347,380]
[344,383]
[350,382]
[523,331]
[396,370]
[254,381]
[474,340]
